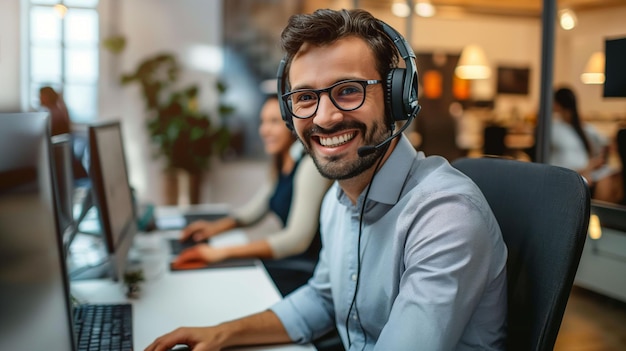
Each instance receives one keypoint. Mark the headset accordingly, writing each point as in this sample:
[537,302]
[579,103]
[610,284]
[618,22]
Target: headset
[401,84]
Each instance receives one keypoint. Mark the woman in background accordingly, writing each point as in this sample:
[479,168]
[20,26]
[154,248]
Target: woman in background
[574,144]
[59,116]
[294,193]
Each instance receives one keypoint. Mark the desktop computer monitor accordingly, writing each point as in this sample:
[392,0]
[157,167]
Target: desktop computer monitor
[112,192]
[62,157]
[35,310]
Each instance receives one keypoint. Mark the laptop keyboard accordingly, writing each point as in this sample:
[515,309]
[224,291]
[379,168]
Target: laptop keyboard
[104,327]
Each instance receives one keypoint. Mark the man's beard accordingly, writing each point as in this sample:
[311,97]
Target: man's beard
[335,167]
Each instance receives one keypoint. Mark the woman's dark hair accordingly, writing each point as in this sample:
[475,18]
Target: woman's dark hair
[49,93]
[325,26]
[566,98]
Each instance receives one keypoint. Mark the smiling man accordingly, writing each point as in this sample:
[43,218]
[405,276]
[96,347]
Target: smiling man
[412,256]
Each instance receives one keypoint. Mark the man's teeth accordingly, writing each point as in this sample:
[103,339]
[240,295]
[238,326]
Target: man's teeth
[336,140]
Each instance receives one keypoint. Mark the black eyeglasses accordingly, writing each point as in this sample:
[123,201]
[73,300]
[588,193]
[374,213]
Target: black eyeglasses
[346,95]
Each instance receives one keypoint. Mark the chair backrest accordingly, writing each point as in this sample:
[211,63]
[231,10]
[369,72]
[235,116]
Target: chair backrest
[543,212]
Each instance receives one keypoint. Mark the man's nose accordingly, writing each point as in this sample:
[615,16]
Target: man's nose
[327,113]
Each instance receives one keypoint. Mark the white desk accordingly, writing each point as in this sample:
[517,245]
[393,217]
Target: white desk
[169,300]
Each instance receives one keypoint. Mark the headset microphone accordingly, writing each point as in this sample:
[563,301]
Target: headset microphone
[369,149]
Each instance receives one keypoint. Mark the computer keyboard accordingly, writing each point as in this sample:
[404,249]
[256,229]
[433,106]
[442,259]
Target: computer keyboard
[104,327]
[177,246]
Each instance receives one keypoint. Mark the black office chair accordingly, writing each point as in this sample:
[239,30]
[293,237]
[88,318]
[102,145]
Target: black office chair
[543,212]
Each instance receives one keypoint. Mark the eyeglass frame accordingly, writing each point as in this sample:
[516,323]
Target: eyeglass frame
[364,82]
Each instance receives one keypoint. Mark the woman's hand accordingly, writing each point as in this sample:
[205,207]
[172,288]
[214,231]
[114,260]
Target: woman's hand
[201,252]
[200,230]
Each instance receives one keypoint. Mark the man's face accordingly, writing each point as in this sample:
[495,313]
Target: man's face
[332,136]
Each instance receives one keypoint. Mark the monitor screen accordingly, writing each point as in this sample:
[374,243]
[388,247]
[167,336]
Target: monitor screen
[512,80]
[34,304]
[62,156]
[112,191]
[615,69]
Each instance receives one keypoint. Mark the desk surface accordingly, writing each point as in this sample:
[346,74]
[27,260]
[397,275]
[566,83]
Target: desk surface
[169,300]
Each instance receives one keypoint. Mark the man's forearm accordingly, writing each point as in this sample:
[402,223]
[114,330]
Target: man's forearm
[256,329]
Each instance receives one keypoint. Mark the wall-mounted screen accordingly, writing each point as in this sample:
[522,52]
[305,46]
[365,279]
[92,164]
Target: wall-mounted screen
[513,80]
[615,68]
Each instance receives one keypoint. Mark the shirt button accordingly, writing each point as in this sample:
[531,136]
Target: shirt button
[353,277]
[355,317]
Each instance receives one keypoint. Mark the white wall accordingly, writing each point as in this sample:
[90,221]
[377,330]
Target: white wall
[10,56]
[151,27]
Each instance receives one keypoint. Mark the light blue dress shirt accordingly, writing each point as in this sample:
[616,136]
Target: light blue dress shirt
[432,274]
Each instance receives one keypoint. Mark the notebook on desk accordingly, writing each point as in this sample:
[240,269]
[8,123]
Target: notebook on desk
[177,246]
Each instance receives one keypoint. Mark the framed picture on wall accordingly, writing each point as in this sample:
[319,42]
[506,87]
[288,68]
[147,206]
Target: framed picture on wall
[513,80]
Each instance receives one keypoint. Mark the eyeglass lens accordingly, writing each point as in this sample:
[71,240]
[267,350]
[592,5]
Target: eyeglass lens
[346,96]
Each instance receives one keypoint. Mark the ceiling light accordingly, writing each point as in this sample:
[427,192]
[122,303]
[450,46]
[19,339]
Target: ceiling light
[594,70]
[400,9]
[567,19]
[425,9]
[473,63]
[60,9]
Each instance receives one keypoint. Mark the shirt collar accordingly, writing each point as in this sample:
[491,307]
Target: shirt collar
[389,180]
[296,151]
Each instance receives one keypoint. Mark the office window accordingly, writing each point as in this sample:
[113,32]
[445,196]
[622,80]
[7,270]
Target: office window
[63,51]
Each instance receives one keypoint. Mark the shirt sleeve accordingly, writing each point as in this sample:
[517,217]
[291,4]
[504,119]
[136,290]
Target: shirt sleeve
[308,312]
[303,222]
[258,206]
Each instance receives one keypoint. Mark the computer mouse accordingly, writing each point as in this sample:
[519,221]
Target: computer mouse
[181,348]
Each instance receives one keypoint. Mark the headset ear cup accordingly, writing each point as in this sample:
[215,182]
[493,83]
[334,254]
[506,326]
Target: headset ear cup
[281,89]
[395,94]
[284,112]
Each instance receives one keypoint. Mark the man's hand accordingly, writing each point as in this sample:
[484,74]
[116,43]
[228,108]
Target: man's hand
[197,339]
[258,329]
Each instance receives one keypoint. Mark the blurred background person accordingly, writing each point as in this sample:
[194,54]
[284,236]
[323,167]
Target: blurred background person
[61,123]
[59,116]
[578,145]
[293,192]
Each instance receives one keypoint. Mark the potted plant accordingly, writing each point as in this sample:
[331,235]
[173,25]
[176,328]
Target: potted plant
[185,137]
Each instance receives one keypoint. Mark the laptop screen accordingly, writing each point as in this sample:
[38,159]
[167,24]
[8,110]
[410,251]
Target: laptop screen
[34,304]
